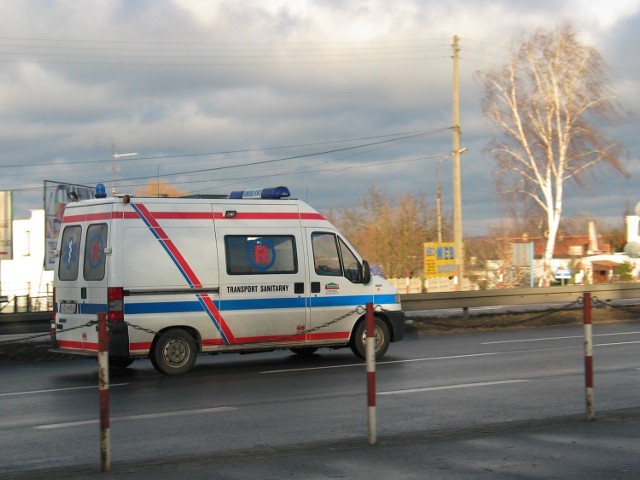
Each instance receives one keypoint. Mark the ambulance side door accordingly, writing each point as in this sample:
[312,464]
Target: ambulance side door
[262,284]
[336,286]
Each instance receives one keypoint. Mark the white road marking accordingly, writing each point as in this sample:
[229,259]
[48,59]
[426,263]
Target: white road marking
[144,416]
[616,343]
[525,340]
[545,339]
[33,392]
[360,365]
[451,387]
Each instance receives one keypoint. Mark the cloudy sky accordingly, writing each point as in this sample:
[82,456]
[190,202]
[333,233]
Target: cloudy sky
[326,97]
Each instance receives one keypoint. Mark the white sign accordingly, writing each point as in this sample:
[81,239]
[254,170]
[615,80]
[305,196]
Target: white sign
[6,226]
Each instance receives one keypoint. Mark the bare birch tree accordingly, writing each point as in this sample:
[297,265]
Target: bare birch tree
[549,104]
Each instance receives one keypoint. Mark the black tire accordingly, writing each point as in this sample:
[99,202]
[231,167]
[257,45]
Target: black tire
[359,338]
[174,353]
[304,351]
[120,362]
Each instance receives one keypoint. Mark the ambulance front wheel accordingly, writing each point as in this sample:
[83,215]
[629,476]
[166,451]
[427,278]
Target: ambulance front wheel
[381,335]
[174,352]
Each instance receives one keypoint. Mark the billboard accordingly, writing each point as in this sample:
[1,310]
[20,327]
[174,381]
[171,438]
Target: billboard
[6,225]
[439,259]
[56,197]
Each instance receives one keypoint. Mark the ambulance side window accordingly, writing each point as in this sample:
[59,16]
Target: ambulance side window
[351,264]
[94,256]
[260,254]
[69,253]
[326,257]
[332,256]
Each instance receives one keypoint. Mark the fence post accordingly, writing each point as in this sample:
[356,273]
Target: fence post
[371,373]
[103,379]
[588,355]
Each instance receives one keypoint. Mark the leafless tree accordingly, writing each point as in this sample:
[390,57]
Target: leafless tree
[390,231]
[158,188]
[549,104]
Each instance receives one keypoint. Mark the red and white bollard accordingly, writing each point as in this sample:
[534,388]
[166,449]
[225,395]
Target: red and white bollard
[588,355]
[103,382]
[371,373]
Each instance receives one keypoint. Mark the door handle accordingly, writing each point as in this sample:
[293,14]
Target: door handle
[298,287]
[315,287]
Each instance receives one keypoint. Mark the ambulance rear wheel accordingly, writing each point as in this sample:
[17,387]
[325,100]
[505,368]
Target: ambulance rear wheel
[381,335]
[174,352]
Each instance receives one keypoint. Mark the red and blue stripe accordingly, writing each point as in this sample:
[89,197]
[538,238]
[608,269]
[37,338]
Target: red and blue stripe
[185,269]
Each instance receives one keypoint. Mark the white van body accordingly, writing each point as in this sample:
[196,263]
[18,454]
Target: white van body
[178,276]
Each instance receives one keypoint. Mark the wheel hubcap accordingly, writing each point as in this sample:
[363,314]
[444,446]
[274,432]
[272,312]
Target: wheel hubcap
[377,335]
[176,352]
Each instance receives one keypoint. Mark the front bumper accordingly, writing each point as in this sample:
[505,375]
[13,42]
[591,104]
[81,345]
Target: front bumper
[397,322]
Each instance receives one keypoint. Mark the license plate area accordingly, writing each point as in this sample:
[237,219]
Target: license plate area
[64,307]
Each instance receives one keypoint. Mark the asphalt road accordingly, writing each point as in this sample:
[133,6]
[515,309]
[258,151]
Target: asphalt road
[500,404]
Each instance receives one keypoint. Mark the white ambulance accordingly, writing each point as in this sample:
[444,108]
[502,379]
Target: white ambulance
[253,271]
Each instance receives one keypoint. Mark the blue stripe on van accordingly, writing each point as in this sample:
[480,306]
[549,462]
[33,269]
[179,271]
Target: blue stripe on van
[92,308]
[261,303]
[355,300]
[229,305]
[246,304]
[162,307]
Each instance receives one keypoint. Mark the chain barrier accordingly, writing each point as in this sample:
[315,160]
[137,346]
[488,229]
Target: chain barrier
[24,339]
[17,349]
[142,329]
[359,310]
[539,316]
[623,308]
[48,334]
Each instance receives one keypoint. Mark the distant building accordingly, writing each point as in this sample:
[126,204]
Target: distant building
[25,275]
[587,257]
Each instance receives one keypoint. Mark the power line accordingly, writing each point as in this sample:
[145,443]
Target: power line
[380,140]
[389,136]
[155,53]
[295,157]
[334,169]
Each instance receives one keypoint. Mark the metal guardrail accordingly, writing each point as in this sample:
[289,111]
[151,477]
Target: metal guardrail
[25,323]
[39,322]
[517,296]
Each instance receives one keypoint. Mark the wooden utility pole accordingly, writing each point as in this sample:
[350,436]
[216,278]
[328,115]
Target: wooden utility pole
[457,193]
[439,202]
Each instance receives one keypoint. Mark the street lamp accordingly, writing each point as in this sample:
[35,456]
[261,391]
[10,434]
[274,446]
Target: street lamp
[116,157]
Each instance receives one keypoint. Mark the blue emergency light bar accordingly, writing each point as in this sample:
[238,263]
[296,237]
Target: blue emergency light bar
[101,191]
[274,193]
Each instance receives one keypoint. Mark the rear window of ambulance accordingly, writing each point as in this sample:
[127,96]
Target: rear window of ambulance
[69,253]
[94,256]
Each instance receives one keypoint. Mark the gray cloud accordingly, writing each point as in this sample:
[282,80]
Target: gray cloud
[175,79]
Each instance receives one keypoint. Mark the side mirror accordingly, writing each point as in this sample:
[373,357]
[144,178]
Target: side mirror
[366,272]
